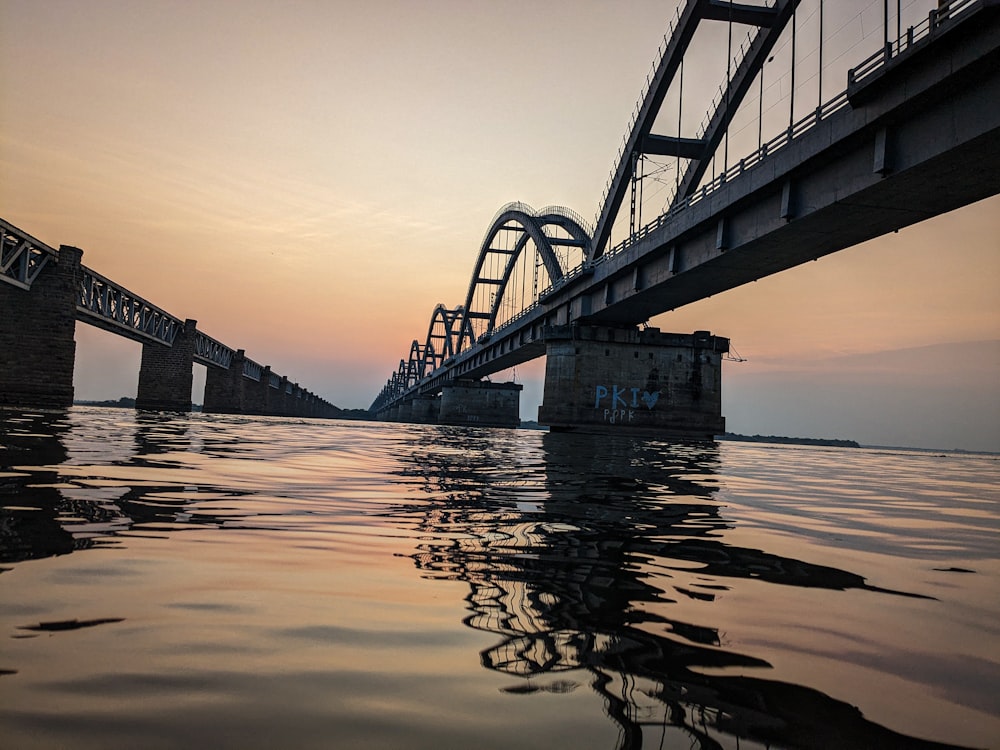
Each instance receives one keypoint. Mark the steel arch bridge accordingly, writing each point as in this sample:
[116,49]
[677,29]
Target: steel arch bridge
[530,262]
[521,247]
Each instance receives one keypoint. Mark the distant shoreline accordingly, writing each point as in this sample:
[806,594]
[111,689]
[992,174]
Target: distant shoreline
[129,403]
[119,403]
[833,442]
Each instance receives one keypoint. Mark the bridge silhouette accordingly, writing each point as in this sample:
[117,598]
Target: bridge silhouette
[46,291]
[913,133]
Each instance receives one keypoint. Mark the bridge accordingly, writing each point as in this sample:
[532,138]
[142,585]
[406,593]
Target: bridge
[913,132]
[46,291]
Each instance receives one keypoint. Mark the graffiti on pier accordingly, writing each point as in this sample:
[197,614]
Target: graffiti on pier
[620,404]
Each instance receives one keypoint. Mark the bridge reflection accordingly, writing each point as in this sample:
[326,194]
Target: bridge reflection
[41,516]
[590,561]
[572,567]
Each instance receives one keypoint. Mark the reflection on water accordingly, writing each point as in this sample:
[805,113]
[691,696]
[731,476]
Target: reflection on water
[703,596]
[562,578]
[30,503]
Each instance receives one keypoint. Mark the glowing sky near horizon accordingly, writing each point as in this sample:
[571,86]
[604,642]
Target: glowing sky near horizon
[309,179]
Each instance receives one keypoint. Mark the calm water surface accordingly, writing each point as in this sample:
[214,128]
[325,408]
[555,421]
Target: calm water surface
[231,582]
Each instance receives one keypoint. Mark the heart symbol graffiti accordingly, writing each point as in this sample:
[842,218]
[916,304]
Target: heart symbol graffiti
[650,399]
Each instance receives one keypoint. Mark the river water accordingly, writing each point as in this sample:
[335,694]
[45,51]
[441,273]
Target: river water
[240,582]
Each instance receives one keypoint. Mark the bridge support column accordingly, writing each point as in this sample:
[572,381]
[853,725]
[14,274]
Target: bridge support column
[37,348]
[425,410]
[255,393]
[224,389]
[404,413]
[165,374]
[638,382]
[261,402]
[480,403]
[278,406]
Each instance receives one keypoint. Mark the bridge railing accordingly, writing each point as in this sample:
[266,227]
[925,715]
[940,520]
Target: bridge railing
[567,277]
[22,257]
[569,213]
[947,12]
[512,206]
[112,306]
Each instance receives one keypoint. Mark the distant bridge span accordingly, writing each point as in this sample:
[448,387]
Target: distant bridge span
[44,292]
[915,134]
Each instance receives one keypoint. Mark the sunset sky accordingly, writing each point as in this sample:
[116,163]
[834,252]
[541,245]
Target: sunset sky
[309,179]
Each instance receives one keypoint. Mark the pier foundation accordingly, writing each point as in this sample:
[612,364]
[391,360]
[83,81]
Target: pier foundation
[480,403]
[601,379]
[165,373]
[37,327]
[425,410]
[225,389]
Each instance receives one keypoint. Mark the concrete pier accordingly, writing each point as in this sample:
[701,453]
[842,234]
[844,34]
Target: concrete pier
[481,403]
[165,373]
[37,327]
[602,379]
[225,390]
[425,410]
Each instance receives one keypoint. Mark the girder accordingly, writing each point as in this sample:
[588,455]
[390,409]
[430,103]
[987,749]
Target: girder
[252,370]
[22,257]
[210,352]
[750,15]
[105,304]
[564,242]
[665,145]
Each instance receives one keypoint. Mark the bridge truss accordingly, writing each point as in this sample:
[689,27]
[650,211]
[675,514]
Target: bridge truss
[22,257]
[107,304]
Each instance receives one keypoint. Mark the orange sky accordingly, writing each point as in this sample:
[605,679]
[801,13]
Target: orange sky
[308,179]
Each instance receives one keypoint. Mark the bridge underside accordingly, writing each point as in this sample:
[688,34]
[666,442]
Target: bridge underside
[917,142]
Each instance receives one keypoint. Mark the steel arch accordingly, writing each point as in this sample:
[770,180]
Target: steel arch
[441,336]
[770,21]
[415,366]
[532,225]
